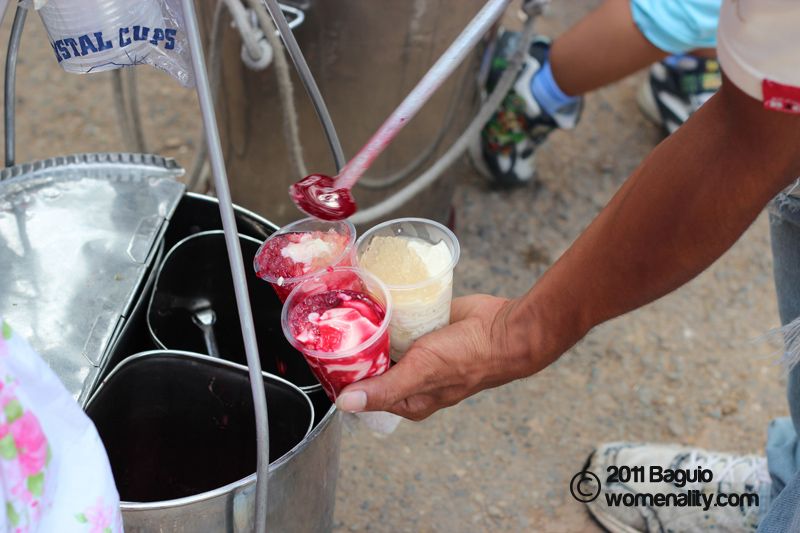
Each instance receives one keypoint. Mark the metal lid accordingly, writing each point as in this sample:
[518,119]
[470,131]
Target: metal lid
[77,237]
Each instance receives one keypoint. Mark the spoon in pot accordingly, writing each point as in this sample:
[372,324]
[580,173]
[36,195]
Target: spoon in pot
[205,319]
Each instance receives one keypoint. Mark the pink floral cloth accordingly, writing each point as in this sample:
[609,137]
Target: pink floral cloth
[54,472]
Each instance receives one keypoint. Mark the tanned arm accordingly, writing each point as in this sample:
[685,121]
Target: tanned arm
[680,210]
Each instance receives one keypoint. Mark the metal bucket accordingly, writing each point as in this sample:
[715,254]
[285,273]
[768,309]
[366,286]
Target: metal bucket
[197,213]
[361,88]
[303,483]
[181,439]
[94,190]
[194,276]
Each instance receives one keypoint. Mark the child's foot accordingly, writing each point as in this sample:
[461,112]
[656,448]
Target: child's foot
[676,87]
[729,501]
[505,152]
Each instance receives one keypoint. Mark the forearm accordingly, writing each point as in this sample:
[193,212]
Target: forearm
[684,206]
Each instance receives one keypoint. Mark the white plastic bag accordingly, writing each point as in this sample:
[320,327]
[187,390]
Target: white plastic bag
[98,35]
[54,471]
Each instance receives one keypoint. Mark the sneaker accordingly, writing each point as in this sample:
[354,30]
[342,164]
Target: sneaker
[732,474]
[677,87]
[505,151]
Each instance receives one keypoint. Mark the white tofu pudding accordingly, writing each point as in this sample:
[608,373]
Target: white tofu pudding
[414,258]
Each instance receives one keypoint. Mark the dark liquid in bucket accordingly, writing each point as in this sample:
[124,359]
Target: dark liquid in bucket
[197,274]
[174,427]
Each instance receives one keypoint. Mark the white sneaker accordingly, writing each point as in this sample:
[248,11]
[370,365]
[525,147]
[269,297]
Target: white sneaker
[715,491]
[674,90]
[505,151]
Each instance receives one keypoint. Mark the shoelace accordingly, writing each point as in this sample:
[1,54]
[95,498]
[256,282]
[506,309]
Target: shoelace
[758,472]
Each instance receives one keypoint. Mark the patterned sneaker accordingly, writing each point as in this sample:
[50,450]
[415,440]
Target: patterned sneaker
[693,503]
[677,87]
[505,151]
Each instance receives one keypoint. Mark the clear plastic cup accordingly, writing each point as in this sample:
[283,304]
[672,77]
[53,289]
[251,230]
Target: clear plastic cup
[283,285]
[96,35]
[338,368]
[422,306]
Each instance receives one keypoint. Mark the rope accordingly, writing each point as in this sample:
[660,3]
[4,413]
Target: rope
[291,128]
[133,110]
[249,34]
[124,120]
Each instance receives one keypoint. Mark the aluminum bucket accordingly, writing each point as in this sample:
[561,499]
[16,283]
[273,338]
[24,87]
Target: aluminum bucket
[185,449]
[302,484]
[91,188]
[339,38]
[198,213]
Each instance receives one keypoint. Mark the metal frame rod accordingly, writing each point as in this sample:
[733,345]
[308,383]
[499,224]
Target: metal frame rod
[308,80]
[9,85]
[235,258]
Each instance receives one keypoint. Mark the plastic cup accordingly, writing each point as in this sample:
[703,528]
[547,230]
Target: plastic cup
[284,285]
[424,306]
[96,35]
[337,369]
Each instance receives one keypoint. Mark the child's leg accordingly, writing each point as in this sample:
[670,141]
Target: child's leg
[604,47]
[617,39]
[623,36]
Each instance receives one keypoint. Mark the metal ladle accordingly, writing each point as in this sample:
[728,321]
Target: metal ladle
[205,319]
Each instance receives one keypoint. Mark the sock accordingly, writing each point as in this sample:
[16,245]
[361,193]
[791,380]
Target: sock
[682,61]
[547,92]
[674,60]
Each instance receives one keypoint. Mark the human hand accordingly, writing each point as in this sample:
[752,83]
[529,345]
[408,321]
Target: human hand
[476,351]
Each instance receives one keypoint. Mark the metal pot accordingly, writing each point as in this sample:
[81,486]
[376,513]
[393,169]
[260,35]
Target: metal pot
[121,211]
[184,409]
[180,435]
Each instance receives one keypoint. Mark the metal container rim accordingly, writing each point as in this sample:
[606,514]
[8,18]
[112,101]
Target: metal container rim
[305,388]
[311,433]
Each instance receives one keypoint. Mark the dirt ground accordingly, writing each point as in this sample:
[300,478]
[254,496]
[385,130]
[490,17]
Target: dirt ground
[684,369]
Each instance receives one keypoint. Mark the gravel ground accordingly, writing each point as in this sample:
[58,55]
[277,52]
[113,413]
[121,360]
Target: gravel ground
[684,369]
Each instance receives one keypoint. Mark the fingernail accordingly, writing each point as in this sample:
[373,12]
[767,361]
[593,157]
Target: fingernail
[352,402]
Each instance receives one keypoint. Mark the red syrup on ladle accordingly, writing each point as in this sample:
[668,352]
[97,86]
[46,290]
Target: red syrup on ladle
[317,196]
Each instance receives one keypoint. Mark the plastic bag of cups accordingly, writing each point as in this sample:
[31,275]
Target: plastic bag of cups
[98,35]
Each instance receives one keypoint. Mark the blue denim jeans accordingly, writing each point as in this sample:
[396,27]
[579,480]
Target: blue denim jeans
[783,446]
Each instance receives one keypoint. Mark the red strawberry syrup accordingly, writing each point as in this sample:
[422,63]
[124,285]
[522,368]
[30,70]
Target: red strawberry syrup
[282,271]
[316,196]
[337,321]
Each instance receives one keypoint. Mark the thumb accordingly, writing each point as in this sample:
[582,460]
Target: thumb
[380,393]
